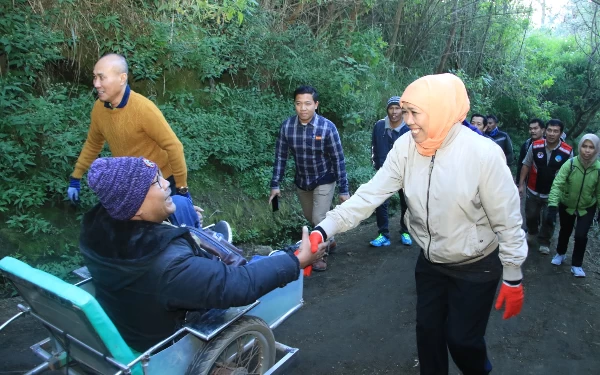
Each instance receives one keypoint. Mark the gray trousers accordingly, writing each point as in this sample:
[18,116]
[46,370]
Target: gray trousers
[534,207]
[316,203]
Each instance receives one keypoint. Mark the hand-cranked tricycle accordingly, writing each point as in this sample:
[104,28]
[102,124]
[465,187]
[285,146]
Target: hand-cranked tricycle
[82,339]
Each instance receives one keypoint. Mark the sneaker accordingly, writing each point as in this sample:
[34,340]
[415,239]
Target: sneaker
[577,272]
[406,240]
[545,250]
[381,240]
[223,228]
[558,259]
[531,237]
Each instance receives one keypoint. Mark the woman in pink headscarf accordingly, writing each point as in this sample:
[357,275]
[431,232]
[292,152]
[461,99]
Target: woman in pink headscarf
[463,213]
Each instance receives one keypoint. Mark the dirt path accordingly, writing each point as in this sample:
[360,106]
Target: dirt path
[359,318]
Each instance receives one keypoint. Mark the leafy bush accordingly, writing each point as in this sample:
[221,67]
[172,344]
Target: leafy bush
[26,41]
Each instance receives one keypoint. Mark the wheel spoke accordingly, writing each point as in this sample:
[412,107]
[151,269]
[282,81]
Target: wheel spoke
[244,352]
[249,352]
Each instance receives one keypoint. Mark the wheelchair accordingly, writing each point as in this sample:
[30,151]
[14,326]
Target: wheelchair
[83,340]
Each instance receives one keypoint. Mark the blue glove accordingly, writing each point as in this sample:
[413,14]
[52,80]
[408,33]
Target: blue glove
[73,191]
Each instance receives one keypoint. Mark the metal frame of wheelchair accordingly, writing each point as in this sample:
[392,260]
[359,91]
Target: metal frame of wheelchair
[78,353]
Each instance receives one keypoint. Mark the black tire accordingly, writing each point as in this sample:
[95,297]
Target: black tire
[256,359]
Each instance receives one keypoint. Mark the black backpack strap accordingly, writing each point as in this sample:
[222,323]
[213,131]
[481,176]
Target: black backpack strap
[570,169]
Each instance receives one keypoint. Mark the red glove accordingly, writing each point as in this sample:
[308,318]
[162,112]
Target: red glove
[513,296]
[315,239]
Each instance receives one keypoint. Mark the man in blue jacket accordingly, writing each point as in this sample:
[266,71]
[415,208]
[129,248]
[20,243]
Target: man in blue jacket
[149,273]
[501,138]
[385,132]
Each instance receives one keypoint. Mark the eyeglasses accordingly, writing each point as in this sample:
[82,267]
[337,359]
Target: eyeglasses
[158,177]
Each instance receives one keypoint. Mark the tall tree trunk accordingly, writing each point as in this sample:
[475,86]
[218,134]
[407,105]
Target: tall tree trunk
[298,9]
[442,64]
[395,35]
[461,44]
[420,33]
[583,120]
[265,4]
[485,34]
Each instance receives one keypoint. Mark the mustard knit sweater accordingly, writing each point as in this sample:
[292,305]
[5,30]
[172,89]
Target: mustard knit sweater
[138,129]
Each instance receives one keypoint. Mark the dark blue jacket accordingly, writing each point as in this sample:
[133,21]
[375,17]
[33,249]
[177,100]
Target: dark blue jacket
[503,140]
[381,143]
[148,275]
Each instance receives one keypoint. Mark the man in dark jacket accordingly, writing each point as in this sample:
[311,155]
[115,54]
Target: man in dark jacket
[385,132]
[501,138]
[148,274]
[480,123]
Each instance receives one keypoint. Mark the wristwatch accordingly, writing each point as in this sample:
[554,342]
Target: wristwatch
[182,190]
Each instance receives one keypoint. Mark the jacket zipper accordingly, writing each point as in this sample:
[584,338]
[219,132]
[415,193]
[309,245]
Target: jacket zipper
[428,187]
[580,190]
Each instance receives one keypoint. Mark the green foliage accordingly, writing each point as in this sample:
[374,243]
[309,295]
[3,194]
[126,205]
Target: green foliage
[203,10]
[63,267]
[26,41]
[357,150]
[30,224]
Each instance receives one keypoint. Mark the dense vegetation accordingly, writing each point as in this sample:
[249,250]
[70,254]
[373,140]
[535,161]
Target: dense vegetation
[222,72]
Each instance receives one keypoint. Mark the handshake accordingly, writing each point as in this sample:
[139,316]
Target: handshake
[317,246]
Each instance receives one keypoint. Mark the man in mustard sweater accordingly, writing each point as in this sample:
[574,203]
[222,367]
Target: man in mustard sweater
[131,124]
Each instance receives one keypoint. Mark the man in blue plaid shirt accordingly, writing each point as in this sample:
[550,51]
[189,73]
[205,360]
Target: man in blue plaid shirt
[315,145]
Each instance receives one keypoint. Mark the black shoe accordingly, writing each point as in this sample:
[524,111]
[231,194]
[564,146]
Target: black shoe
[223,228]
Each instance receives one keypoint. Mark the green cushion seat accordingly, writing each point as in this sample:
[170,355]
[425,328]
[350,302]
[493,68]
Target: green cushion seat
[80,300]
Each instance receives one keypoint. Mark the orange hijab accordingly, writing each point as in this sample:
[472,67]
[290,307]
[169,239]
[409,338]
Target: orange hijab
[444,98]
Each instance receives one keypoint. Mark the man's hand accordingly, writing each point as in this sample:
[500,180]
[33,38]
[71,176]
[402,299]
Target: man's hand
[274,192]
[344,197]
[305,256]
[199,212]
[521,190]
[186,194]
[73,190]
[551,215]
[513,296]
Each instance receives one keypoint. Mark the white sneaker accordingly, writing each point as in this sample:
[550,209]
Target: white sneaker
[577,272]
[531,237]
[558,259]
[223,228]
[544,250]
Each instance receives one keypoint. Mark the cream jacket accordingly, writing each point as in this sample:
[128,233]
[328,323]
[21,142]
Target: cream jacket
[462,202]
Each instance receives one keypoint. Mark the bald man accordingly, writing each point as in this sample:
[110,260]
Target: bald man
[132,125]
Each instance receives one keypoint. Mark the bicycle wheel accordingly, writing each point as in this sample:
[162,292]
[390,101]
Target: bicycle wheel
[247,347]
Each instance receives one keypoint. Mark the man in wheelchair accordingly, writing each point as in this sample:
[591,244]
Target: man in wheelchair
[149,273]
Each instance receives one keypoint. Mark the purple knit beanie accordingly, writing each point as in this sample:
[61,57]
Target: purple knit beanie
[121,184]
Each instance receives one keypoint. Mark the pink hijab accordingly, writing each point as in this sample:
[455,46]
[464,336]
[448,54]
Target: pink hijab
[444,98]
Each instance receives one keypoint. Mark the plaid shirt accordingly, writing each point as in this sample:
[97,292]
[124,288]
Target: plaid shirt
[317,150]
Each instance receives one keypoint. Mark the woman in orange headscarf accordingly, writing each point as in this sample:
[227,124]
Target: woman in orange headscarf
[463,213]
